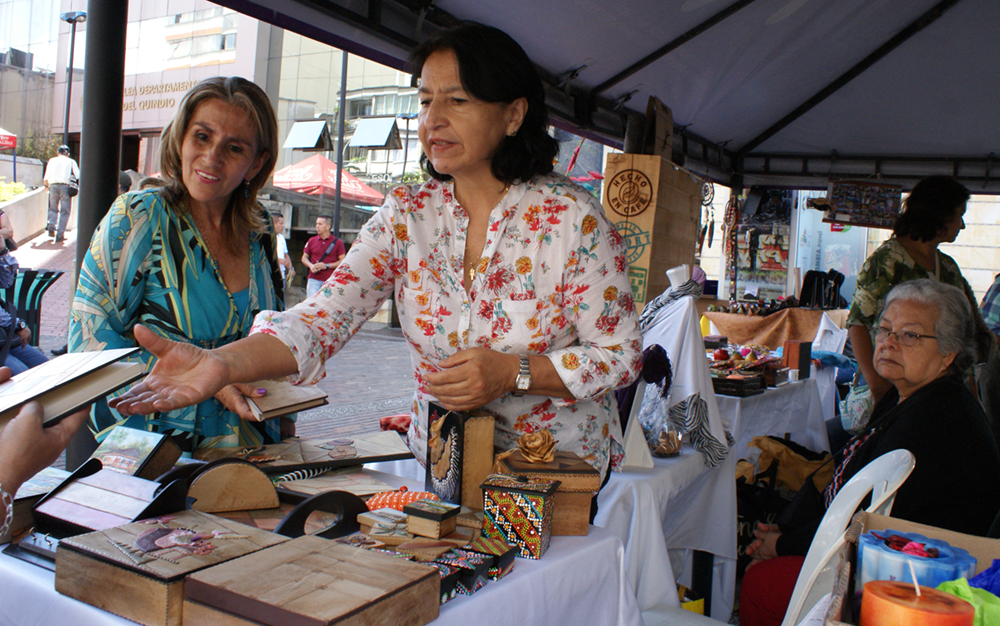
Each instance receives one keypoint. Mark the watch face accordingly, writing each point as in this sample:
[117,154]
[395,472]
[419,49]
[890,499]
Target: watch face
[523,382]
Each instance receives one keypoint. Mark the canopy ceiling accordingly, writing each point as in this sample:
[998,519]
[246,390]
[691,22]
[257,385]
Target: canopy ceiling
[783,92]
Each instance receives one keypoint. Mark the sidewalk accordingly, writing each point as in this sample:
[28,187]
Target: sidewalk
[370,378]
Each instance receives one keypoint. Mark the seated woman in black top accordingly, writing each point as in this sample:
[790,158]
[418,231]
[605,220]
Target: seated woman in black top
[924,346]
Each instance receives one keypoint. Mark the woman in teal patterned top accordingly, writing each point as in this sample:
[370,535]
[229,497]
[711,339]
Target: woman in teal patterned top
[933,215]
[193,261]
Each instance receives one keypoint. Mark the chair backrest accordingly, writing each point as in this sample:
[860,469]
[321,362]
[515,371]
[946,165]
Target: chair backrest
[882,478]
[26,294]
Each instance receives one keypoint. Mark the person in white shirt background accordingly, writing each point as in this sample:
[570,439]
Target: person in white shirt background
[285,261]
[57,179]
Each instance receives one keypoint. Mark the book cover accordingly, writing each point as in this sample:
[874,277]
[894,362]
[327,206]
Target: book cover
[28,495]
[67,383]
[283,398]
[137,452]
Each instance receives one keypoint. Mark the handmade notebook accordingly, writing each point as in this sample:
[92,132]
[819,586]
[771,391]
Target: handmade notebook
[68,383]
[28,495]
[283,398]
[137,571]
[459,454]
[137,452]
[296,454]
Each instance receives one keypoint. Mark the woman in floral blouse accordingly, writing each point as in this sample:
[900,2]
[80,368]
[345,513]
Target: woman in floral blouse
[505,274]
[933,216]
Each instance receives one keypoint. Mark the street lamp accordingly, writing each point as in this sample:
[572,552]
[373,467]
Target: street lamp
[72,18]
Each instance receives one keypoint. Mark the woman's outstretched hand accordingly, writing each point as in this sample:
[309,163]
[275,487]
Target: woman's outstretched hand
[182,376]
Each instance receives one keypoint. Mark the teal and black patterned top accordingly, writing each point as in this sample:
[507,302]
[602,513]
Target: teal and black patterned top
[148,264]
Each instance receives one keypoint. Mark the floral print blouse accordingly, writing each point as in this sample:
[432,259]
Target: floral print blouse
[148,264]
[552,280]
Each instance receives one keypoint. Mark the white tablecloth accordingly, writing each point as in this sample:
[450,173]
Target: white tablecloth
[793,408]
[580,580]
[679,504]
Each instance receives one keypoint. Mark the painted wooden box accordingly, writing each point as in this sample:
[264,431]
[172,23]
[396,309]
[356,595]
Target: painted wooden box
[137,570]
[502,552]
[519,510]
[473,568]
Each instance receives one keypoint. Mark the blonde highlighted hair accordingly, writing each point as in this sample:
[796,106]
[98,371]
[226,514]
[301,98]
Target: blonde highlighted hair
[243,211]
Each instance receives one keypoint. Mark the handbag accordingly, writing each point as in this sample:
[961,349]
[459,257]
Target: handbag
[857,408]
[795,463]
[74,186]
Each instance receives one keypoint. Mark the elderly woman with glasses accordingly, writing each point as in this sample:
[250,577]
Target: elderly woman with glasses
[924,347]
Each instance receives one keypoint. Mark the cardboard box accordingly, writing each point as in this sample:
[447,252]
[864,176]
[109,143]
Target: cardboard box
[655,205]
[838,614]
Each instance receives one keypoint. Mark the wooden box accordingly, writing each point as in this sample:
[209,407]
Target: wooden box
[310,580]
[449,580]
[579,481]
[137,571]
[502,552]
[655,206]
[473,567]
[430,518]
[739,385]
[519,511]
[384,517]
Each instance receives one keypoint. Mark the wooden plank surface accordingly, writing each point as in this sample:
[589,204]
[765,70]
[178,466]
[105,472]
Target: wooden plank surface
[312,581]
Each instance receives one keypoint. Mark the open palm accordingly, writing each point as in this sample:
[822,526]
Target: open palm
[182,376]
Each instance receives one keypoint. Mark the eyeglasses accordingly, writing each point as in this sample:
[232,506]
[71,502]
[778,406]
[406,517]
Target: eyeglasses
[904,337]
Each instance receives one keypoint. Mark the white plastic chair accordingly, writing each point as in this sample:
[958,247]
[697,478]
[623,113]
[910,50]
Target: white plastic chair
[882,477]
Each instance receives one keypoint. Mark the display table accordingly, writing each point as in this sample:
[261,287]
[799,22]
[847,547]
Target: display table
[679,504]
[793,408]
[580,580]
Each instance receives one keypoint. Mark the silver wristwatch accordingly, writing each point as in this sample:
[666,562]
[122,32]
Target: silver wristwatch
[523,381]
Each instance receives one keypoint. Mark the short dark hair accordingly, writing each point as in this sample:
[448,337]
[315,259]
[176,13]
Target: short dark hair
[277,214]
[328,218]
[63,149]
[933,202]
[494,68]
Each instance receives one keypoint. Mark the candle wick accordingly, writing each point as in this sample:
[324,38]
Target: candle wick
[913,573]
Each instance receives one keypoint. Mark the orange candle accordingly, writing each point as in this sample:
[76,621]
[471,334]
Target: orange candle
[894,603]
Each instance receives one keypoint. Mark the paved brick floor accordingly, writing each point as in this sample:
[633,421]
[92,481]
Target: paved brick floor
[371,377]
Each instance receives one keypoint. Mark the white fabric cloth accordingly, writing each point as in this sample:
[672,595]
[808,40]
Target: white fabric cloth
[675,328]
[678,504]
[282,252]
[793,408]
[59,169]
[579,580]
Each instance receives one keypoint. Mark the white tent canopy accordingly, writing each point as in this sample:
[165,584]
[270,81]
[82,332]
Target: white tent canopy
[781,91]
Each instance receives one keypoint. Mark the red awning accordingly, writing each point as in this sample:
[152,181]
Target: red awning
[317,175]
[8,140]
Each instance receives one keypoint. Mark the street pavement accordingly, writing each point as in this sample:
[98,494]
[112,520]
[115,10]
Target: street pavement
[370,378]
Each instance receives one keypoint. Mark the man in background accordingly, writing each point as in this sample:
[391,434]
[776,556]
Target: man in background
[285,261]
[322,255]
[58,172]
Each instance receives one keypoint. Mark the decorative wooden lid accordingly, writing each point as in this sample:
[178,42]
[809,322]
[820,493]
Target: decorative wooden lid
[432,510]
[568,468]
[170,547]
[520,484]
